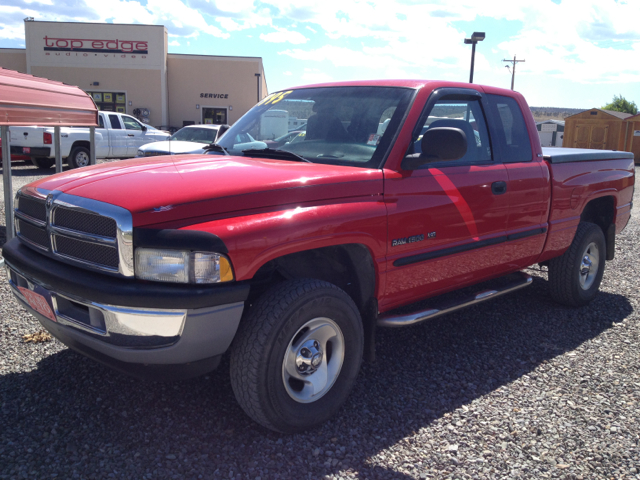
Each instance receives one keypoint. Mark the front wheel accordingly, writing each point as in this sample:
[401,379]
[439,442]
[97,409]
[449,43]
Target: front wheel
[297,355]
[575,276]
[79,157]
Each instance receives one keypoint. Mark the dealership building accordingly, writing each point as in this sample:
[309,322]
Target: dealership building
[126,68]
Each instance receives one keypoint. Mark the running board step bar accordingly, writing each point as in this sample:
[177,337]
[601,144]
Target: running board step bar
[417,317]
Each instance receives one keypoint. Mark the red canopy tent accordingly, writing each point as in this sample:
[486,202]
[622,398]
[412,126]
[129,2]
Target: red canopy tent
[29,100]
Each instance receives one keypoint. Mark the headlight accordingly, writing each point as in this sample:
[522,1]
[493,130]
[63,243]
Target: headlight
[182,267]
[140,153]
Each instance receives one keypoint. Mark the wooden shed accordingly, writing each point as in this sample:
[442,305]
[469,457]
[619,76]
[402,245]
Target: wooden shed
[632,137]
[596,129]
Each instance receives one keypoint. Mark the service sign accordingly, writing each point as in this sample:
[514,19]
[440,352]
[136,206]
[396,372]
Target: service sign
[94,45]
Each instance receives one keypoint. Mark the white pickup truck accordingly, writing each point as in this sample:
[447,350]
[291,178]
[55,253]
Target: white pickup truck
[117,136]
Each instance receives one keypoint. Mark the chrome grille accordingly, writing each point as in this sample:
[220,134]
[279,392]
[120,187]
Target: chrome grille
[84,222]
[32,233]
[87,251]
[84,232]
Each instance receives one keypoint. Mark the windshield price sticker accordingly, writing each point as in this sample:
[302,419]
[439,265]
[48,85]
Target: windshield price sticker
[374,139]
[274,98]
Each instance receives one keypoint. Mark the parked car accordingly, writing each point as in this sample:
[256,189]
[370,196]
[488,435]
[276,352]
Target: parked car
[291,258]
[117,136]
[189,139]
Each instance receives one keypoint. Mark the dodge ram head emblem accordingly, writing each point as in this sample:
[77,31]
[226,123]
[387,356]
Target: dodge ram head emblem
[412,239]
[49,201]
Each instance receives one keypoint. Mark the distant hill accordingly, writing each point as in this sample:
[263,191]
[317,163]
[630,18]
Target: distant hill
[540,114]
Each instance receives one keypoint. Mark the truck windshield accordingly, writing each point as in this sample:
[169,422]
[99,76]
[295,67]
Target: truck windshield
[336,125]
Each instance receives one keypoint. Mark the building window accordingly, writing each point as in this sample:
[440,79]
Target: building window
[216,116]
[110,101]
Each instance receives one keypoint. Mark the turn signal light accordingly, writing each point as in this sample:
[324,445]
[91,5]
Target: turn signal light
[47,138]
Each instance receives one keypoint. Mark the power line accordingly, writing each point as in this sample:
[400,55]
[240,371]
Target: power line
[513,72]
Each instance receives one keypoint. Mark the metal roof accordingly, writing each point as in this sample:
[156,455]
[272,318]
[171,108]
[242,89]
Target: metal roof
[29,100]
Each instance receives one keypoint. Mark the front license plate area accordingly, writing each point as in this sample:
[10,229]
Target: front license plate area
[38,302]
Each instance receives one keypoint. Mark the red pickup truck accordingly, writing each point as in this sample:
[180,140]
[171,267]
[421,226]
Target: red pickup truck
[289,258]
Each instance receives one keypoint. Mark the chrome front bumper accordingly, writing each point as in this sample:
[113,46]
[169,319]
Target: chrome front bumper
[128,334]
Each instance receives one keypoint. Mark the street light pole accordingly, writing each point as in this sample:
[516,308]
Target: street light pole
[475,38]
[258,85]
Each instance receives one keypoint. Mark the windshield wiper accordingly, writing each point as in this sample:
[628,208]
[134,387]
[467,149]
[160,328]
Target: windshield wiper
[275,154]
[216,148]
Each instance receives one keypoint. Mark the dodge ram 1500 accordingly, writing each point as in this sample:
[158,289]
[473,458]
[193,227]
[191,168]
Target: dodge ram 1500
[289,258]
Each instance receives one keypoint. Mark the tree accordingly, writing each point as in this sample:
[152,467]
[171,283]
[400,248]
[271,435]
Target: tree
[621,104]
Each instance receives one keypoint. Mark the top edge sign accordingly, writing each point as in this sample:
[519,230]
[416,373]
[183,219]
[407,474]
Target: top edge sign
[95,46]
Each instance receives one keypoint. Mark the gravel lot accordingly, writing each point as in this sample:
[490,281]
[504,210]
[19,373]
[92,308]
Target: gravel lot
[515,388]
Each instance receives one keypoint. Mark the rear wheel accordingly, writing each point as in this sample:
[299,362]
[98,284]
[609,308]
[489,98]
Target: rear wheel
[79,157]
[42,162]
[575,276]
[297,355]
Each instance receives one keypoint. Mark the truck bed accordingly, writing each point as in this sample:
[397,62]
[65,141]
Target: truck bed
[568,155]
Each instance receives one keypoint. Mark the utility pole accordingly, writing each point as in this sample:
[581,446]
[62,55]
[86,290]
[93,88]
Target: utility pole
[513,72]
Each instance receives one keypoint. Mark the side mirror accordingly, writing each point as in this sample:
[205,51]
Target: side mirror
[440,144]
[222,130]
[144,128]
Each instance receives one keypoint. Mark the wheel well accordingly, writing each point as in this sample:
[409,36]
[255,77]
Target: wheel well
[349,267]
[80,143]
[601,212]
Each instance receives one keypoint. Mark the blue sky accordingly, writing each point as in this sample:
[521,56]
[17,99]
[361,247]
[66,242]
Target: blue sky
[578,53]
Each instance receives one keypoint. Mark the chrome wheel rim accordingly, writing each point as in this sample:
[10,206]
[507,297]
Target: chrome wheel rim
[313,360]
[589,266]
[82,159]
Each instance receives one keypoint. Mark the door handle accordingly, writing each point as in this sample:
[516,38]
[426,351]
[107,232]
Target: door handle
[130,135]
[499,188]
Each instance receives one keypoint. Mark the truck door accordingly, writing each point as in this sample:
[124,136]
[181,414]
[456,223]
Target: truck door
[447,220]
[135,135]
[528,185]
[102,147]
[117,137]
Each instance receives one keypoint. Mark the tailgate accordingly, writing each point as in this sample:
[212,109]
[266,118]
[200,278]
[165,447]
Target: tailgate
[28,136]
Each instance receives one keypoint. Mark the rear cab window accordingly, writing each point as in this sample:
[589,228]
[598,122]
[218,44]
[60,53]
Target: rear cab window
[115,122]
[510,134]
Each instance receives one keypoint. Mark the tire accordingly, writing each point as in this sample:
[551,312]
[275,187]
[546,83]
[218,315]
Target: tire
[43,162]
[79,157]
[297,355]
[575,276]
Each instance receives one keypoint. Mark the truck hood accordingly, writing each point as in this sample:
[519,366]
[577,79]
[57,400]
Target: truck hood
[174,147]
[175,188]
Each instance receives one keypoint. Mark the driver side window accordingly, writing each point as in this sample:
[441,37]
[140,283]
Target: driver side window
[130,123]
[466,115]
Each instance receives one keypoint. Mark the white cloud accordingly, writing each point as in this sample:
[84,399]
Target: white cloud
[174,43]
[282,35]
[287,73]
[315,76]
[586,41]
